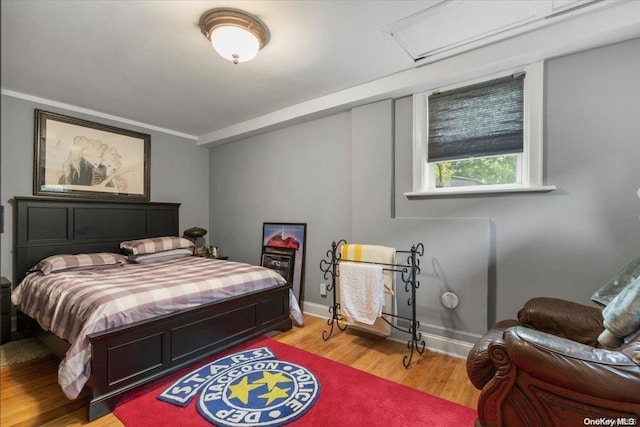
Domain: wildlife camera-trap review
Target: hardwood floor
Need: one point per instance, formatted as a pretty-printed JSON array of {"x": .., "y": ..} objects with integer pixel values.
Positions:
[{"x": 30, "y": 395}]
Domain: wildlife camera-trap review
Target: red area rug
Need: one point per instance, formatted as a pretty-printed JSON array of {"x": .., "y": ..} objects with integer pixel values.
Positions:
[{"x": 348, "y": 397}]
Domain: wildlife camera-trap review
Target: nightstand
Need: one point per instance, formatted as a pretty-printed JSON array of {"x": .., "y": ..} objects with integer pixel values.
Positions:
[{"x": 5, "y": 310}]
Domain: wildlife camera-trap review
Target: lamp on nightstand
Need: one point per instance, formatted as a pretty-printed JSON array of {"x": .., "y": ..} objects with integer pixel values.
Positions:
[{"x": 193, "y": 234}]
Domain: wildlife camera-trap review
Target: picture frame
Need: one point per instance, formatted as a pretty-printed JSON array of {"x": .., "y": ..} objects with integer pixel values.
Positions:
[
  {"x": 281, "y": 260},
  {"x": 79, "y": 158},
  {"x": 292, "y": 236}
]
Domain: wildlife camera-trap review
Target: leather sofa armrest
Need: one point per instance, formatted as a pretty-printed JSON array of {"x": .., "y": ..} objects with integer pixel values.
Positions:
[
  {"x": 632, "y": 350},
  {"x": 480, "y": 368},
  {"x": 564, "y": 319},
  {"x": 574, "y": 366}
]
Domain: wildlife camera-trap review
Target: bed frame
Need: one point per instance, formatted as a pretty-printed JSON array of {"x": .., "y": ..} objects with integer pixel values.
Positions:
[{"x": 129, "y": 356}]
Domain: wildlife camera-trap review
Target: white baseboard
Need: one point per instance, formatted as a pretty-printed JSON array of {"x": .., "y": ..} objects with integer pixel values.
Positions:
[
  {"x": 439, "y": 344},
  {"x": 316, "y": 310}
]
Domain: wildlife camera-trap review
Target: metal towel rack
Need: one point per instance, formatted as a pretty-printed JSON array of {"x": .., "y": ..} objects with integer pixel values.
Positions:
[{"x": 408, "y": 271}]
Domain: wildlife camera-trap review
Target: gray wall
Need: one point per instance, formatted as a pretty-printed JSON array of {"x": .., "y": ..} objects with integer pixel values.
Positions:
[
  {"x": 344, "y": 175},
  {"x": 336, "y": 175},
  {"x": 456, "y": 249},
  {"x": 569, "y": 242},
  {"x": 300, "y": 174},
  {"x": 179, "y": 168}
]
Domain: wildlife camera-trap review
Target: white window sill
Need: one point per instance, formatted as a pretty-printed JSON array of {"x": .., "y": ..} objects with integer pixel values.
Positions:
[{"x": 476, "y": 191}]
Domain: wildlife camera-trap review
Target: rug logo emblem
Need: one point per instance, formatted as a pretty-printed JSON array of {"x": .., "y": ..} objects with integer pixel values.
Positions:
[{"x": 249, "y": 388}]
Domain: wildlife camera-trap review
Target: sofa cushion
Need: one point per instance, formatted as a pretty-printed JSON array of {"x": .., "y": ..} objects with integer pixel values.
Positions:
[{"x": 563, "y": 318}]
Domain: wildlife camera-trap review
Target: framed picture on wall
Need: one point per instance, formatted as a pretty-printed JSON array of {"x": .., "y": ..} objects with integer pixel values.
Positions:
[
  {"x": 291, "y": 236},
  {"x": 281, "y": 260},
  {"x": 79, "y": 158}
]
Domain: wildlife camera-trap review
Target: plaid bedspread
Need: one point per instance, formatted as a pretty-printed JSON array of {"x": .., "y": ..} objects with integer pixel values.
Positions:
[{"x": 73, "y": 305}]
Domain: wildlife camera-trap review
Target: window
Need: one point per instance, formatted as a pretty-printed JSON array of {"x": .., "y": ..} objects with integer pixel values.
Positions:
[{"x": 480, "y": 136}]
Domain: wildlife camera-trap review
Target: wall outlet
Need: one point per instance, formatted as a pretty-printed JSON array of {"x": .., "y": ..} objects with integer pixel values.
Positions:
[{"x": 323, "y": 289}]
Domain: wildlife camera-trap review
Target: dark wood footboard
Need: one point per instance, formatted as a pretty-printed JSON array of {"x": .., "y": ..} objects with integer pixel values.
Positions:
[{"x": 128, "y": 357}]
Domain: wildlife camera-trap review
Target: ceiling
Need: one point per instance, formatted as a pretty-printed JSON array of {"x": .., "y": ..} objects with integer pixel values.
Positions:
[{"x": 148, "y": 62}]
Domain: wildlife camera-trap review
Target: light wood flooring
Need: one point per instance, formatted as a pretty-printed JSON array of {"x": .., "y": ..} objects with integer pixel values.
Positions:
[{"x": 30, "y": 395}]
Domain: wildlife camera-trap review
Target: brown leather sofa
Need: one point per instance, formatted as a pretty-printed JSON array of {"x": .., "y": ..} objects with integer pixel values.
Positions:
[{"x": 546, "y": 369}]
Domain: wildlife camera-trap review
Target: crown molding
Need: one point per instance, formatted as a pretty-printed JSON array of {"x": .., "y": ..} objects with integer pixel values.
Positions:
[{"x": 94, "y": 113}]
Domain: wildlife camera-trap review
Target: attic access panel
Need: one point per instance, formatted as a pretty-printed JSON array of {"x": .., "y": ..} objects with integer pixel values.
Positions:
[{"x": 475, "y": 24}]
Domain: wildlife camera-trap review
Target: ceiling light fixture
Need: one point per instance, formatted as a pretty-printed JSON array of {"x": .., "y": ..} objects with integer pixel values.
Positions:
[{"x": 234, "y": 34}]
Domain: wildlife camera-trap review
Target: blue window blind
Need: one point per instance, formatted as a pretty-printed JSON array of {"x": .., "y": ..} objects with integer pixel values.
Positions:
[{"x": 485, "y": 119}]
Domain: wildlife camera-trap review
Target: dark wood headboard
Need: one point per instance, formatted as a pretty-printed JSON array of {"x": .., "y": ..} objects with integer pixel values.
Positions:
[{"x": 47, "y": 226}]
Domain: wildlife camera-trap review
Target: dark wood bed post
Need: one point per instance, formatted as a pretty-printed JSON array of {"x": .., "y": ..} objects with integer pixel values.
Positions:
[{"x": 129, "y": 356}]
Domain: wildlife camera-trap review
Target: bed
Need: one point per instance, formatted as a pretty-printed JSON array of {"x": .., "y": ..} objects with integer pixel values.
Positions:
[{"x": 125, "y": 357}]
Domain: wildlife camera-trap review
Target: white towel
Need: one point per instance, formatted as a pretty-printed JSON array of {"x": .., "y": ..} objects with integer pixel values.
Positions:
[
  {"x": 373, "y": 253},
  {"x": 361, "y": 291},
  {"x": 380, "y": 254}
]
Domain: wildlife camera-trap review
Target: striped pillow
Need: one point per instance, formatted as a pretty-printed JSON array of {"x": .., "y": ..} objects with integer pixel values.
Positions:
[
  {"x": 160, "y": 256},
  {"x": 155, "y": 244},
  {"x": 80, "y": 261}
]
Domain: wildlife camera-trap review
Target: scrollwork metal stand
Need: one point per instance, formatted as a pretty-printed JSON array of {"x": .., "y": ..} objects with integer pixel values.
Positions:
[
  {"x": 331, "y": 268},
  {"x": 411, "y": 284},
  {"x": 409, "y": 273}
]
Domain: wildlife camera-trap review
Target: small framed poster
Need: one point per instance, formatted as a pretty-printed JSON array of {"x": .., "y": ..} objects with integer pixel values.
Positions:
[
  {"x": 292, "y": 236},
  {"x": 281, "y": 260}
]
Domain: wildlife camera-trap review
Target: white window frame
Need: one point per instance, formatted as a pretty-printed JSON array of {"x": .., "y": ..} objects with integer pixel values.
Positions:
[{"x": 530, "y": 162}]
